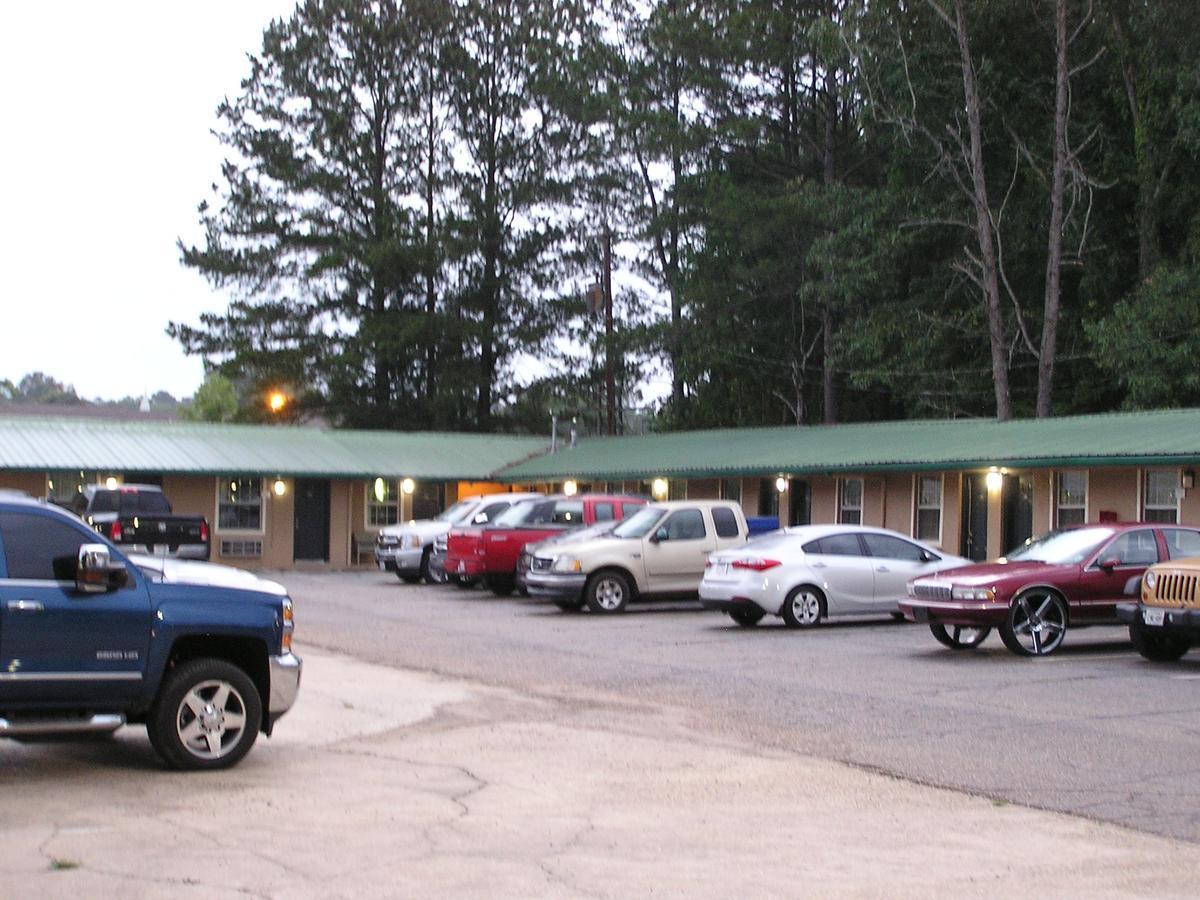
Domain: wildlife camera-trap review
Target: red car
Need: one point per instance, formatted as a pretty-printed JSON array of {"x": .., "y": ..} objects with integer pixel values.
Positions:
[
  {"x": 1067, "y": 578},
  {"x": 491, "y": 551}
]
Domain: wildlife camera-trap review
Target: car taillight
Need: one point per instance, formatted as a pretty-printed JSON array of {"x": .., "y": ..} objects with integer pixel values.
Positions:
[
  {"x": 115, "y": 531},
  {"x": 204, "y": 532},
  {"x": 757, "y": 565}
]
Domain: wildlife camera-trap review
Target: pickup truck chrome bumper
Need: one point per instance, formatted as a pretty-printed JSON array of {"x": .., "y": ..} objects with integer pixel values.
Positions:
[
  {"x": 555, "y": 586},
  {"x": 396, "y": 560},
  {"x": 285, "y": 683}
]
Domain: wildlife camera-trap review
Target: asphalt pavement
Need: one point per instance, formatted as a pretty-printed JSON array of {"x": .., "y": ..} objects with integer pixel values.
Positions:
[{"x": 1093, "y": 731}]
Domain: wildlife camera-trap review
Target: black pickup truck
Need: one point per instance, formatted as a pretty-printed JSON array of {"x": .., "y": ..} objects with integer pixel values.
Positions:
[{"x": 138, "y": 517}]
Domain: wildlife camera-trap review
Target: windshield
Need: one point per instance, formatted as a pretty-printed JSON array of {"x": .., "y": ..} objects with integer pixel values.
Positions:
[
  {"x": 457, "y": 512},
  {"x": 639, "y": 524},
  {"x": 515, "y": 514},
  {"x": 1072, "y": 545}
]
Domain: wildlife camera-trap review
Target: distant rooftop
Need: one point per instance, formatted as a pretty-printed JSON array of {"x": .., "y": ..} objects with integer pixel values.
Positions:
[
  {"x": 85, "y": 411},
  {"x": 60, "y": 443}
]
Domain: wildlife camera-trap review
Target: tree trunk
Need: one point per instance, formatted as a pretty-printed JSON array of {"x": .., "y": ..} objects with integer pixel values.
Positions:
[
  {"x": 433, "y": 336},
  {"x": 1049, "y": 348},
  {"x": 829, "y": 176},
  {"x": 983, "y": 223}
]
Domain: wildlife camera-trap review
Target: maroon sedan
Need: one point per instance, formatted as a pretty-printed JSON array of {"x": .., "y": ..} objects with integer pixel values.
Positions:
[{"x": 1066, "y": 578}]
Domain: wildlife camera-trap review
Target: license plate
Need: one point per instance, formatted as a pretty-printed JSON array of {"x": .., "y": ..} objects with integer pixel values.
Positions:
[
  {"x": 1153, "y": 616},
  {"x": 720, "y": 568}
]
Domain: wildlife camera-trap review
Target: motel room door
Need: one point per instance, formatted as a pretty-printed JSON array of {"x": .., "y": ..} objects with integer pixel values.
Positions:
[
  {"x": 310, "y": 537},
  {"x": 975, "y": 516}
]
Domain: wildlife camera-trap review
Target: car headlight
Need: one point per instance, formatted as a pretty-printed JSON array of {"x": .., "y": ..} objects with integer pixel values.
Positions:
[
  {"x": 1150, "y": 579},
  {"x": 289, "y": 624},
  {"x": 566, "y": 564},
  {"x": 965, "y": 593}
]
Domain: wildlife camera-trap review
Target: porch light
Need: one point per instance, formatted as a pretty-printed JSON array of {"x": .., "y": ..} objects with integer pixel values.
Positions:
[
  {"x": 1187, "y": 480},
  {"x": 279, "y": 487},
  {"x": 380, "y": 489},
  {"x": 781, "y": 484},
  {"x": 994, "y": 480},
  {"x": 570, "y": 488},
  {"x": 659, "y": 488},
  {"x": 110, "y": 483},
  {"x": 407, "y": 486}
]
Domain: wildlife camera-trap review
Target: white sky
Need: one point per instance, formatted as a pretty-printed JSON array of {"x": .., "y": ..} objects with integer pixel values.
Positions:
[{"x": 106, "y": 153}]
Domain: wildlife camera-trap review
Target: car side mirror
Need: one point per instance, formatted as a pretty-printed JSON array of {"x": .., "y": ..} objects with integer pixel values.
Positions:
[
  {"x": 1110, "y": 563},
  {"x": 659, "y": 536},
  {"x": 95, "y": 571},
  {"x": 926, "y": 556}
]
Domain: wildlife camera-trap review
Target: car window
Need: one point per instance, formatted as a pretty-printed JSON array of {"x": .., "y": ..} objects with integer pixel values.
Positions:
[
  {"x": 105, "y": 502},
  {"x": 639, "y": 524},
  {"x": 888, "y": 547},
  {"x": 148, "y": 502},
  {"x": 685, "y": 525},
  {"x": 1133, "y": 548},
  {"x": 489, "y": 512},
  {"x": 567, "y": 512},
  {"x": 40, "y": 548},
  {"x": 1181, "y": 542},
  {"x": 604, "y": 511},
  {"x": 628, "y": 509},
  {"x": 724, "y": 521},
  {"x": 835, "y": 545}
]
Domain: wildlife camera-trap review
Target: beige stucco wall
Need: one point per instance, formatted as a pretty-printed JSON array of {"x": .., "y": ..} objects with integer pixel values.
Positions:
[
  {"x": 898, "y": 502},
  {"x": 1113, "y": 490},
  {"x": 31, "y": 483},
  {"x": 824, "y": 499},
  {"x": 952, "y": 512},
  {"x": 1189, "y": 506}
]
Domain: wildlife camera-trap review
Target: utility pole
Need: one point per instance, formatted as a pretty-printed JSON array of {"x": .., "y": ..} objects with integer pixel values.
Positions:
[{"x": 610, "y": 388}]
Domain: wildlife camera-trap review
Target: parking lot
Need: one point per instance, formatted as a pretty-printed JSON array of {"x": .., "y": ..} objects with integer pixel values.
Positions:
[
  {"x": 1093, "y": 730},
  {"x": 450, "y": 743}
]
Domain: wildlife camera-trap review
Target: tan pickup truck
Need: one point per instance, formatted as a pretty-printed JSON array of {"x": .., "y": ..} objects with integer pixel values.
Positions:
[
  {"x": 659, "y": 551},
  {"x": 1166, "y": 624}
]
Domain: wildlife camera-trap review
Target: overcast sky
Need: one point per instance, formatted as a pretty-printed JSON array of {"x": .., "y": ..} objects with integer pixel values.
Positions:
[{"x": 106, "y": 153}]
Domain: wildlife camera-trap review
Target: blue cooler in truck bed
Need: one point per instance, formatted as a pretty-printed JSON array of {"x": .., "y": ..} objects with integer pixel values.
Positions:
[{"x": 761, "y": 524}]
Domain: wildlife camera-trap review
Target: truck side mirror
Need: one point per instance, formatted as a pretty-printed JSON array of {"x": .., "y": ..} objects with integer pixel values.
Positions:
[
  {"x": 659, "y": 536},
  {"x": 96, "y": 573}
]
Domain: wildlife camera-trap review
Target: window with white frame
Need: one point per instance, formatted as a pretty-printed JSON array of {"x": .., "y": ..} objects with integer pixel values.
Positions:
[
  {"x": 65, "y": 487},
  {"x": 239, "y": 503},
  {"x": 929, "y": 508},
  {"x": 1160, "y": 495},
  {"x": 850, "y": 500},
  {"x": 383, "y": 503},
  {"x": 1070, "y": 507}
]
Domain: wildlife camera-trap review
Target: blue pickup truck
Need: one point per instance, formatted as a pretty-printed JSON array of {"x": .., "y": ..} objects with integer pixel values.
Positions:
[{"x": 92, "y": 638}]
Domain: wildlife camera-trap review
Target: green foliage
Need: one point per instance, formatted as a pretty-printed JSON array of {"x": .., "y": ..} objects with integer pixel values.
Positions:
[
  {"x": 1151, "y": 340},
  {"x": 216, "y": 400}
]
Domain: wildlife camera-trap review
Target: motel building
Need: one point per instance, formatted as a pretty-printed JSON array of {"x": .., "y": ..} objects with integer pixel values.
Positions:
[{"x": 279, "y": 497}]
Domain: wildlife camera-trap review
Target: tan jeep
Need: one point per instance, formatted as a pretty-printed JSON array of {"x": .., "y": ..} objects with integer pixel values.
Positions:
[{"x": 1166, "y": 624}]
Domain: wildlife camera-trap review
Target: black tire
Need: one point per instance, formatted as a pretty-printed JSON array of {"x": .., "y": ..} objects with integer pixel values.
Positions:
[
  {"x": 423, "y": 569},
  {"x": 464, "y": 583},
  {"x": 607, "y": 592},
  {"x": 959, "y": 637},
  {"x": 1157, "y": 646},
  {"x": 500, "y": 585},
  {"x": 189, "y": 724},
  {"x": 804, "y": 607},
  {"x": 408, "y": 577},
  {"x": 1036, "y": 623},
  {"x": 747, "y": 618},
  {"x": 573, "y": 605}
]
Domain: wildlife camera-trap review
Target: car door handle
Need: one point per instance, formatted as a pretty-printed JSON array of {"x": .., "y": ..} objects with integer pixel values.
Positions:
[
  {"x": 819, "y": 566},
  {"x": 25, "y": 606}
]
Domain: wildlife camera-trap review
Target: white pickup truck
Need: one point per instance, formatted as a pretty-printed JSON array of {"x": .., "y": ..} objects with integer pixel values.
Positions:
[
  {"x": 405, "y": 548},
  {"x": 660, "y": 551}
]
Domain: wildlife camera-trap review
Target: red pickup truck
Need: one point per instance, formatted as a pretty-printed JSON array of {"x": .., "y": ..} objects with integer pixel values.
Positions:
[{"x": 491, "y": 551}]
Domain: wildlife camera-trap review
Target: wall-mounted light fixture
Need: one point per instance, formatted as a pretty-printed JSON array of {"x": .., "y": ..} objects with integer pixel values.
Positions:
[
  {"x": 570, "y": 488},
  {"x": 279, "y": 487},
  {"x": 781, "y": 484},
  {"x": 994, "y": 480},
  {"x": 659, "y": 488},
  {"x": 407, "y": 486},
  {"x": 1187, "y": 479},
  {"x": 379, "y": 489}
]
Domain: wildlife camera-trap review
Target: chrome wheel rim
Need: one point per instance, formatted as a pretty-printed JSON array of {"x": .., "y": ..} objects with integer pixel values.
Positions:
[
  {"x": 806, "y": 608},
  {"x": 966, "y": 635},
  {"x": 1039, "y": 623},
  {"x": 610, "y": 594},
  {"x": 210, "y": 719}
]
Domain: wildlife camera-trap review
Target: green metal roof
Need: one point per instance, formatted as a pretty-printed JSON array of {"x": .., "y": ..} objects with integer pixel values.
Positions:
[
  {"x": 49, "y": 444},
  {"x": 1142, "y": 438}
]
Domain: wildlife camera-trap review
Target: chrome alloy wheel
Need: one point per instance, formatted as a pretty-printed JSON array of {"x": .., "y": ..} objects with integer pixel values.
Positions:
[
  {"x": 210, "y": 719},
  {"x": 609, "y": 593},
  {"x": 802, "y": 608},
  {"x": 1037, "y": 623}
]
